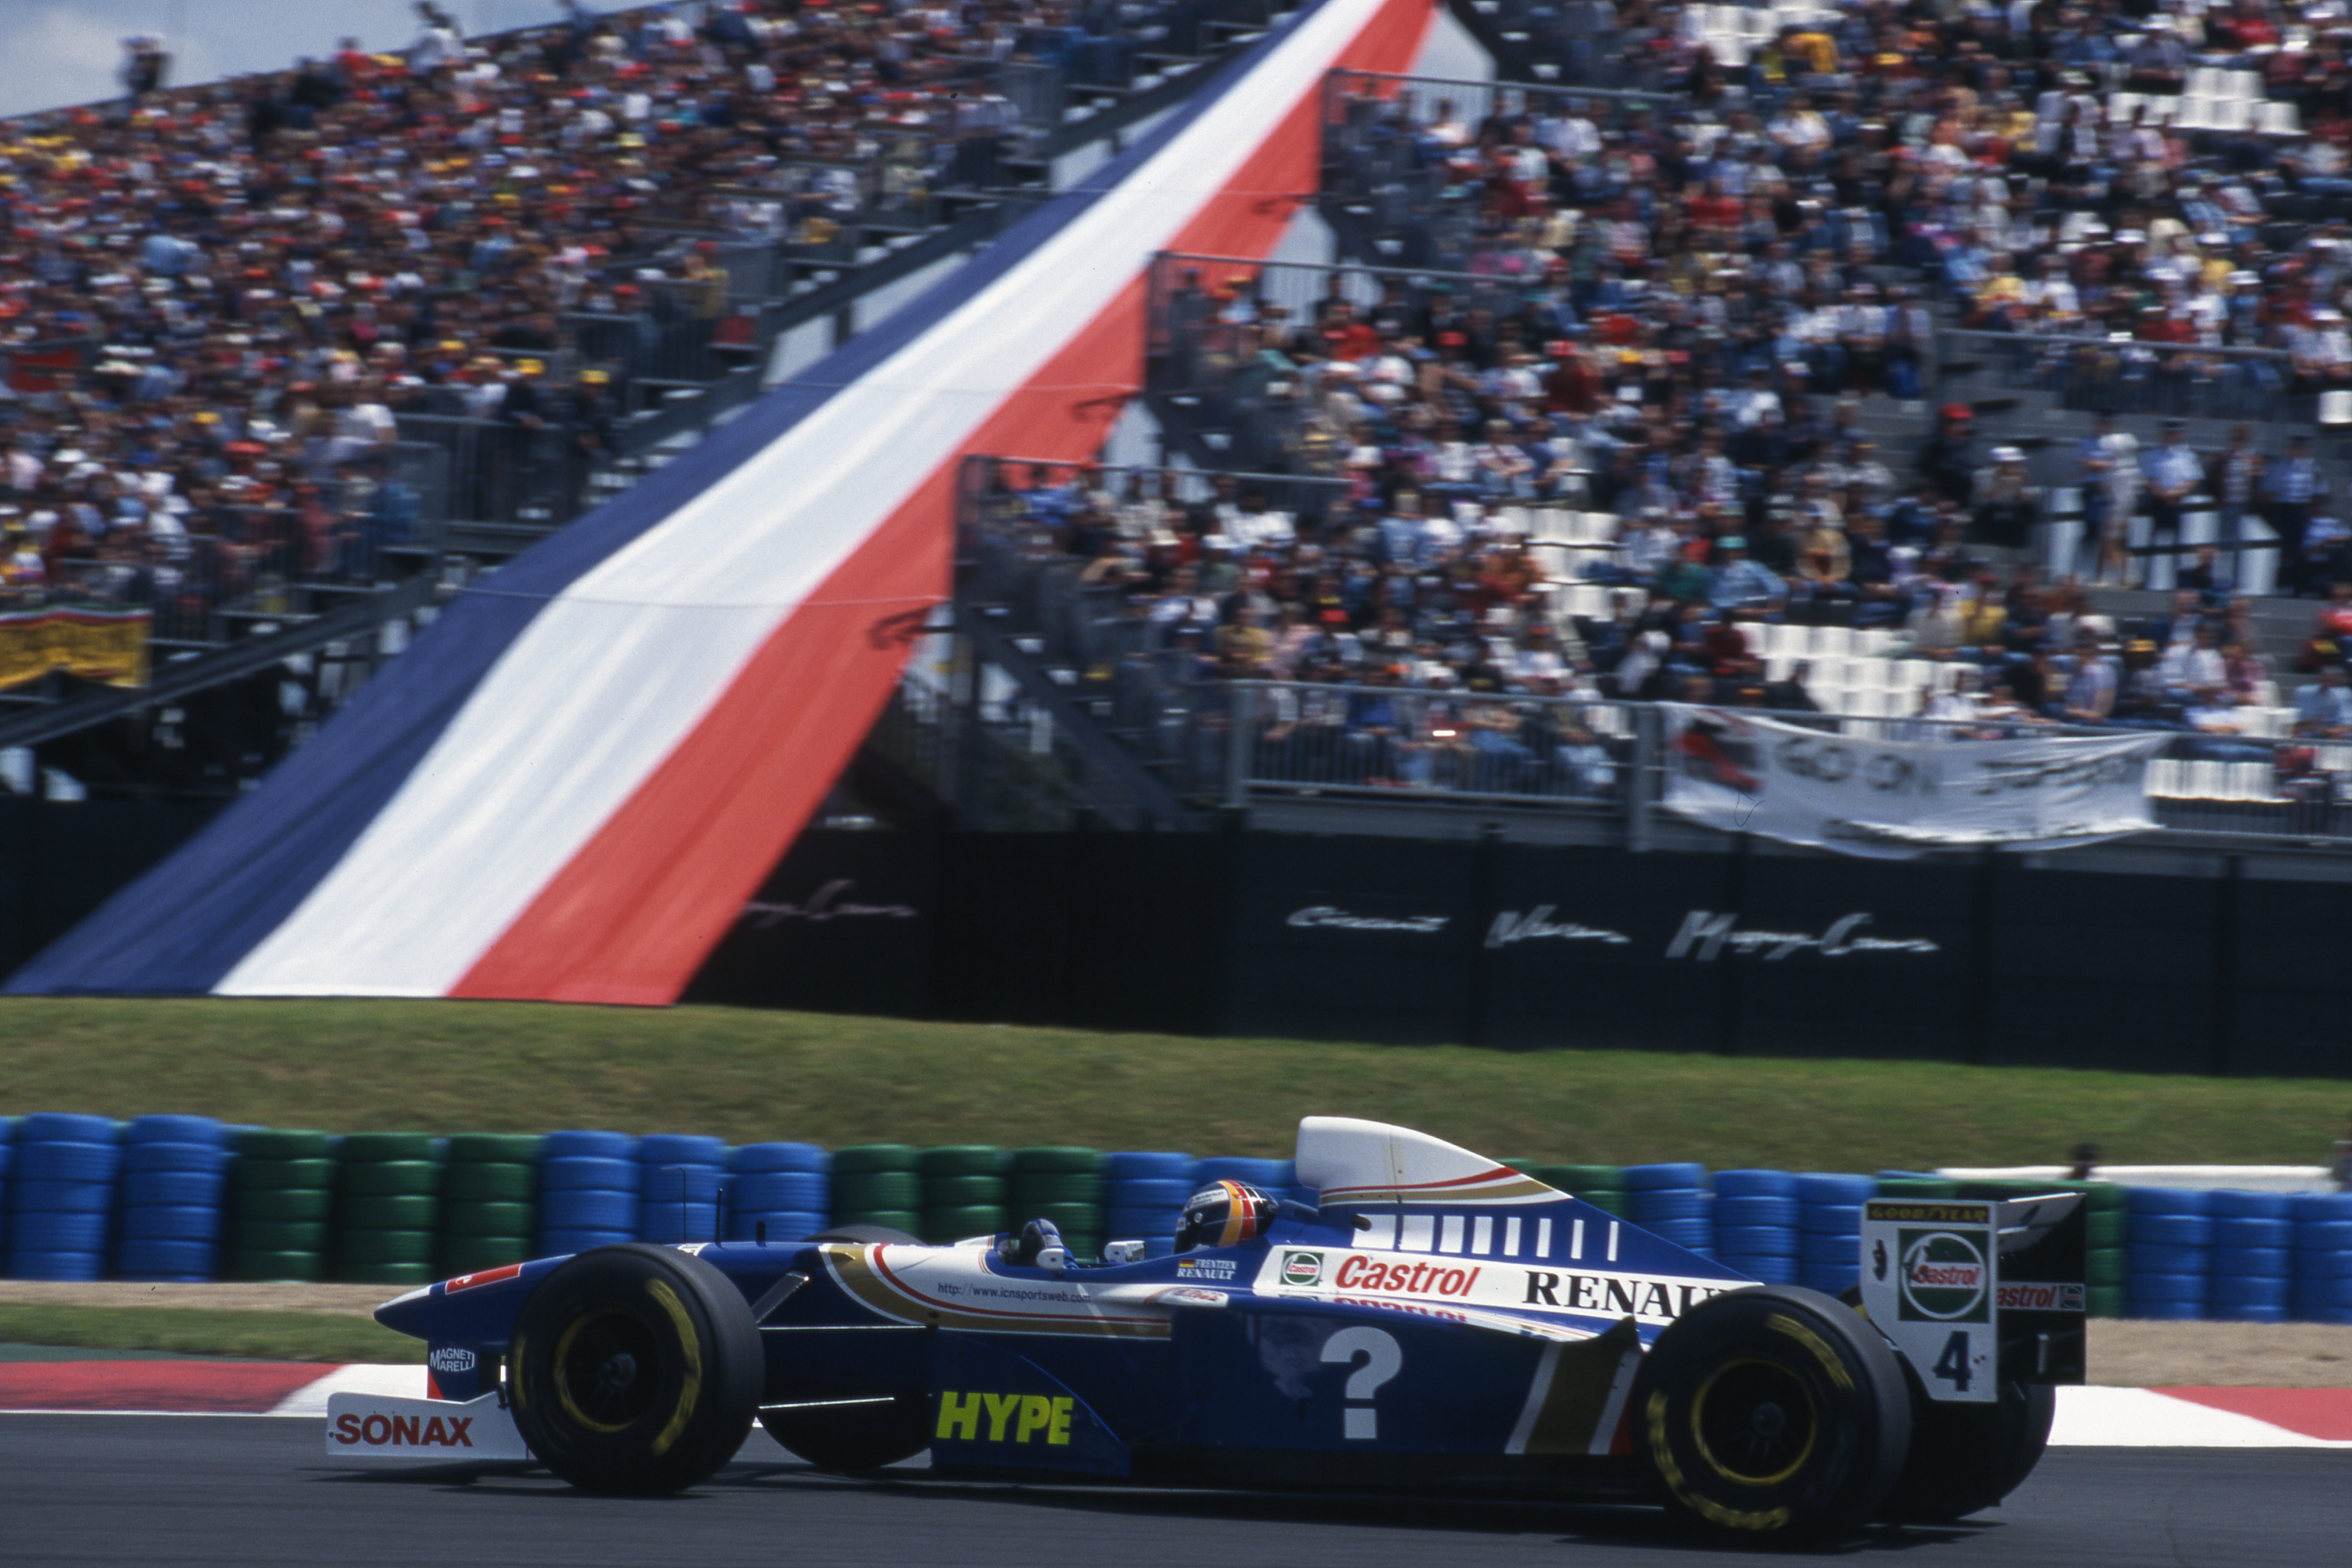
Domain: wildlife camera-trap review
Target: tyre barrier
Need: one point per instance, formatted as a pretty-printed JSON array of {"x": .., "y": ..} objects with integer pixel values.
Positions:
[
  {"x": 1064, "y": 1186},
  {"x": 186, "y": 1198},
  {"x": 2168, "y": 1251},
  {"x": 281, "y": 1205},
  {"x": 1602, "y": 1186},
  {"x": 878, "y": 1183},
  {"x": 680, "y": 1178},
  {"x": 1755, "y": 1224},
  {"x": 1829, "y": 1229},
  {"x": 2250, "y": 1275},
  {"x": 1143, "y": 1195},
  {"x": 963, "y": 1190},
  {"x": 169, "y": 1198},
  {"x": 489, "y": 1185},
  {"x": 387, "y": 1207},
  {"x": 62, "y": 1172},
  {"x": 2322, "y": 1257},
  {"x": 1672, "y": 1200},
  {"x": 778, "y": 1191},
  {"x": 587, "y": 1192}
]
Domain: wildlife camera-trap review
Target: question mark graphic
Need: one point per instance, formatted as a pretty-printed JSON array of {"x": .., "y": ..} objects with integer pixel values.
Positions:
[{"x": 1383, "y": 1361}]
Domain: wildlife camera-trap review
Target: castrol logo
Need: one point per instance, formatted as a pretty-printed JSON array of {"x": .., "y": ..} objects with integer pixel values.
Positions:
[{"x": 1944, "y": 1276}]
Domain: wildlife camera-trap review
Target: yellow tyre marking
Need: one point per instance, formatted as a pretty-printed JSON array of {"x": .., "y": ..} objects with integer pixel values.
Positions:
[
  {"x": 1707, "y": 1508},
  {"x": 692, "y": 1389},
  {"x": 1812, "y": 1341}
]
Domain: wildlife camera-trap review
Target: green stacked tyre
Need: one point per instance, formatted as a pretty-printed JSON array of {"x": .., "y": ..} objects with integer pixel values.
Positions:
[
  {"x": 387, "y": 1208},
  {"x": 487, "y": 1216},
  {"x": 1602, "y": 1186},
  {"x": 282, "y": 1198},
  {"x": 1061, "y": 1184},
  {"x": 2104, "y": 1261},
  {"x": 878, "y": 1183},
  {"x": 1917, "y": 1187},
  {"x": 963, "y": 1191}
]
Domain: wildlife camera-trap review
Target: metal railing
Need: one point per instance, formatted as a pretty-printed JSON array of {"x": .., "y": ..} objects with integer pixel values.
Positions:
[
  {"x": 1391, "y": 741},
  {"x": 332, "y": 544},
  {"x": 2126, "y": 375}
]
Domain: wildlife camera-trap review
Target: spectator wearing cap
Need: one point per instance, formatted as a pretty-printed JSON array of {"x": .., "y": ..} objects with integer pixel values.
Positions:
[
  {"x": 1948, "y": 459},
  {"x": 2008, "y": 505}
]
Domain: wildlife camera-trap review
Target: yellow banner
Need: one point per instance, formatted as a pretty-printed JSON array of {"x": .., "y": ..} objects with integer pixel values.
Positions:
[{"x": 105, "y": 646}]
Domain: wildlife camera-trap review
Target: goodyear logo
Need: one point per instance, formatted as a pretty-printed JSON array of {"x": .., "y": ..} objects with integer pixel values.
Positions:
[
  {"x": 1945, "y": 1277},
  {"x": 1302, "y": 1268},
  {"x": 1005, "y": 1418}
]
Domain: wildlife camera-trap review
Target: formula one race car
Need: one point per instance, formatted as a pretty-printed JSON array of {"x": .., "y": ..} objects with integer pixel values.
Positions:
[{"x": 1439, "y": 1322}]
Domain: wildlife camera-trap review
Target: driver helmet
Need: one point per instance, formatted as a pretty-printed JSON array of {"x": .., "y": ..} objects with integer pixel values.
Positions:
[{"x": 1223, "y": 1213}]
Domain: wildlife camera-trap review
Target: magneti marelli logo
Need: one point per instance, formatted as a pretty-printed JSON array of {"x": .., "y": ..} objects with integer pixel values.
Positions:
[
  {"x": 1944, "y": 1276},
  {"x": 1302, "y": 1268}
]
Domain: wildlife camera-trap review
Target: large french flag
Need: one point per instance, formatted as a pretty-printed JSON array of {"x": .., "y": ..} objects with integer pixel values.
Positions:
[{"x": 567, "y": 789}]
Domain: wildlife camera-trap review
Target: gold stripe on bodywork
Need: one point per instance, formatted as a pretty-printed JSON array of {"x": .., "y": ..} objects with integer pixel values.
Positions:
[{"x": 1584, "y": 1397}]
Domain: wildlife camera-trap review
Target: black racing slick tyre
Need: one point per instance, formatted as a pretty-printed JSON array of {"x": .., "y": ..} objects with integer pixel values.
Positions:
[
  {"x": 1771, "y": 1416},
  {"x": 1964, "y": 1457},
  {"x": 636, "y": 1369}
]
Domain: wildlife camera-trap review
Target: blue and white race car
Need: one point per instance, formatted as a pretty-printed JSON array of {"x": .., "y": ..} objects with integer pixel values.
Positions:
[{"x": 1438, "y": 1321}]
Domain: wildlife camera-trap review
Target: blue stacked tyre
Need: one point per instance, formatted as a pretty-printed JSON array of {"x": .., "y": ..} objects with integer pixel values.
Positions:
[
  {"x": 587, "y": 1191},
  {"x": 2168, "y": 1252},
  {"x": 2251, "y": 1273},
  {"x": 680, "y": 1177},
  {"x": 170, "y": 1199},
  {"x": 1143, "y": 1196},
  {"x": 1671, "y": 1201},
  {"x": 781, "y": 1191},
  {"x": 1756, "y": 1215},
  {"x": 1829, "y": 1229},
  {"x": 60, "y": 1185},
  {"x": 2321, "y": 1261}
]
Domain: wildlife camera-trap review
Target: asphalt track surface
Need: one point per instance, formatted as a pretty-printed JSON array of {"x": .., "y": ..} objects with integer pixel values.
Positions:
[{"x": 200, "y": 1489}]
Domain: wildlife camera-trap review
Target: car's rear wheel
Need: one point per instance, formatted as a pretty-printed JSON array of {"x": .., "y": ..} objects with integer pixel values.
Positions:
[
  {"x": 635, "y": 1369},
  {"x": 1772, "y": 1415},
  {"x": 1964, "y": 1457}
]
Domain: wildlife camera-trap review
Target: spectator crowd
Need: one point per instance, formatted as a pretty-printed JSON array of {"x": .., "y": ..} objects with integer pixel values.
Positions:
[{"x": 220, "y": 304}]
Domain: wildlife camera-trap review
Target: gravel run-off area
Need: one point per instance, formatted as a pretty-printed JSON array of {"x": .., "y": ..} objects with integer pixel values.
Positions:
[{"x": 2123, "y": 1354}]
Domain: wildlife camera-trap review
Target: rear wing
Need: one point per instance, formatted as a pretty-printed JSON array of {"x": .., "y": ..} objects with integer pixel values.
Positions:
[{"x": 1978, "y": 1292}]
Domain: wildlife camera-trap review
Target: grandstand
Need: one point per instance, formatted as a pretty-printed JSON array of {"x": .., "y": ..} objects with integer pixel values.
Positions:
[{"x": 1822, "y": 366}]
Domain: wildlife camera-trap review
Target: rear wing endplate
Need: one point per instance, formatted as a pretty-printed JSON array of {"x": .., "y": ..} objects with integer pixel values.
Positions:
[{"x": 1977, "y": 1291}]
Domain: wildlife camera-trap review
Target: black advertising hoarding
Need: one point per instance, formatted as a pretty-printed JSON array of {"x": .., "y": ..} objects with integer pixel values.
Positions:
[
  {"x": 844, "y": 924},
  {"x": 1359, "y": 938},
  {"x": 2102, "y": 971},
  {"x": 1576, "y": 942},
  {"x": 1396, "y": 941}
]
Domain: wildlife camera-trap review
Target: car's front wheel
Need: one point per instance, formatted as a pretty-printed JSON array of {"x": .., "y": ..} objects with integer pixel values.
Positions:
[
  {"x": 635, "y": 1369},
  {"x": 1772, "y": 1415}
]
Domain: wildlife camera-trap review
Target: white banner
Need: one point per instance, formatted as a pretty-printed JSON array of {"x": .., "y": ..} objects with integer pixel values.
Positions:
[{"x": 1738, "y": 770}]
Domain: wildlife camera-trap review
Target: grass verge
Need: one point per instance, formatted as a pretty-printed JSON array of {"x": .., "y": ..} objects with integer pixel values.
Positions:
[
  {"x": 248, "y": 1335},
  {"x": 349, "y": 1065}
]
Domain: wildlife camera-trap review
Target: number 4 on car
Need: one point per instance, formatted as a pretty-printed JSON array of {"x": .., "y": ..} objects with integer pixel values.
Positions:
[{"x": 1435, "y": 1321}]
